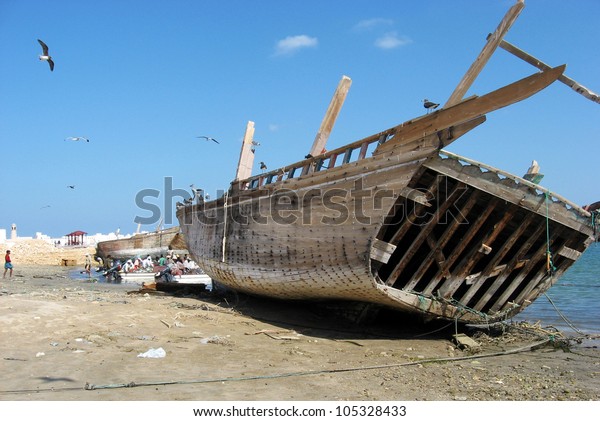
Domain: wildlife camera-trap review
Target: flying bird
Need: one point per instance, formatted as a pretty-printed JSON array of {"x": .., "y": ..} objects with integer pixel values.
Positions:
[
  {"x": 429, "y": 105},
  {"x": 45, "y": 56},
  {"x": 77, "y": 138},
  {"x": 263, "y": 166},
  {"x": 43, "y": 207},
  {"x": 208, "y": 138},
  {"x": 71, "y": 187}
]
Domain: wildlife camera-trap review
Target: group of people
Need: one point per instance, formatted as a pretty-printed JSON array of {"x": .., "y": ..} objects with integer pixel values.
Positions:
[{"x": 171, "y": 263}]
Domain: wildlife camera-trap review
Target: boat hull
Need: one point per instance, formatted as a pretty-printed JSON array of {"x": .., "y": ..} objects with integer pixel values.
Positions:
[
  {"x": 389, "y": 221},
  {"x": 432, "y": 236},
  {"x": 152, "y": 243},
  {"x": 141, "y": 278}
]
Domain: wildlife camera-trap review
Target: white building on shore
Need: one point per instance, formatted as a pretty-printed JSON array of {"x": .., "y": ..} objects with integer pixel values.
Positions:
[{"x": 63, "y": 241}]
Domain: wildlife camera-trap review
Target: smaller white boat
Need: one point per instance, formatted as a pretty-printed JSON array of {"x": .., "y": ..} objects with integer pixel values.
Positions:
[{"x": 141, "y": 278}]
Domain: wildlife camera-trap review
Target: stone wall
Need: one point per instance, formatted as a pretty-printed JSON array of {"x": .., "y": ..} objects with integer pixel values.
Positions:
[{"x": 40, "y": 252}]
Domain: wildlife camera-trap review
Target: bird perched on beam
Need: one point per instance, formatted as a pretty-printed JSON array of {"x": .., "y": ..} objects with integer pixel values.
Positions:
[
  {"x": 429, "y": 105},
  {"x": 208, "y": 138},
  {"x": 197, "y": 194},
  {"x": 45, "y": 56}
]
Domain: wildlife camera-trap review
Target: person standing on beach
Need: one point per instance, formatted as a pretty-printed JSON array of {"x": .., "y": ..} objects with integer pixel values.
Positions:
[
  {"x": 7, "y": 265},
  {"x": 88, "y": 264}
]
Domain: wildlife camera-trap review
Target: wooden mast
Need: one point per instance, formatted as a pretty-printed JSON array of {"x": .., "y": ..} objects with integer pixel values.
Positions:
[
  {"x": 580, "y": 89},
  {"x": 486, "y": 53},
  {"x": 330, "y": 116},
  {"x": 244, "y": 169}
]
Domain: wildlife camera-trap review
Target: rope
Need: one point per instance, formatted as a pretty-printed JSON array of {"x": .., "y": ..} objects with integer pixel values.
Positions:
[
  {"x": 530, "y": 347},
  {"x": 567, "y": 321},
  {"x": 549, "y": 264},
  {"x": 224, "y": 227}
]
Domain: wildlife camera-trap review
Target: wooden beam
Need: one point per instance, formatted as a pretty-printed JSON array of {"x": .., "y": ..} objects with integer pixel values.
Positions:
[
  {"x": 330, "y": 116},
  {"x": 485, "y": 54},
  {"x": 381, "y": 251},
  {"x": 535, "y": 257},
  {"x": 580, "y": 89},
  {"x": 471, "y": 108},
  {"x": 244, "y": 169},
  {"x": 453, "y": 282},
  {"x": 425, "y": 231}
]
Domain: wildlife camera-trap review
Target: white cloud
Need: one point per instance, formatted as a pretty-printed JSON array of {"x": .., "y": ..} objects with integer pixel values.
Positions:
[
  {"x": 372, "y": 23},
  {"x": 391, "y": 40},
  {"x": 291, "y": 44}
]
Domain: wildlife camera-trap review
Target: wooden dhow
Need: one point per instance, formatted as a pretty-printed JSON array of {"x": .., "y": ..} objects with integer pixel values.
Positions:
[
  {"x": 394, "y": 220},
  {"x": 153, "y": 243}
]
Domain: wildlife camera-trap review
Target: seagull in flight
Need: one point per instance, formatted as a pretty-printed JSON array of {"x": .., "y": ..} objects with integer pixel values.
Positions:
[
  {"x": 45, "y": 56},
  {"x": 71, "y": 187},
  {"x": 77, "y": 138},
  {"x": 208, "y": 138},
  {"x": 43, "y": 207},
  {"x": 263, "y": 166},
  {"x": 429, "y": 105}
]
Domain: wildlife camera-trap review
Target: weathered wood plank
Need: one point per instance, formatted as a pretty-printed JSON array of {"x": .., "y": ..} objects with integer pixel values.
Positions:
[
  {"x": 537, "y": 256},
  {"x": 333, "y": 110},
  {"x": 500, "y": 254},
  {"x": 580, "y": 89},
  {"x": 381, "y": 251},
  {"x": 244, "y": 169},
  {"x": 452, "y": 283},
  {"x": 436, "y": 250},
  {"x": 536, "y": 203},
  {"x": 489, "y": 48},
  {"x": 472, "y": 108},
  {"x": 569, "y": 253}
]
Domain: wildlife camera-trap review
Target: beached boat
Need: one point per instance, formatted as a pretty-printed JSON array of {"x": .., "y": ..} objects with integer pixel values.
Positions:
[
  {"x": 143, "y": 244},
  {"x": 197, "y": 277},
  {"x": 393, "y": 220}
]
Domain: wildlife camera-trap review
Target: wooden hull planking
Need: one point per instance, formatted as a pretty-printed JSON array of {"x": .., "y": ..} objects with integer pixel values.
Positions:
[
  {"x": 152, "y": 243},
  {"x": 473, "y": 250}
]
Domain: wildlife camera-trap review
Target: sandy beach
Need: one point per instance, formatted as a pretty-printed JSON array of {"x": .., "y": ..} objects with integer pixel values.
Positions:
[{"x": 67, "y": 340}]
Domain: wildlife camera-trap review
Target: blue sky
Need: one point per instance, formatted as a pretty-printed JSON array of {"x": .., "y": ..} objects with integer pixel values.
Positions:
[{"x": 142, "y": 79}]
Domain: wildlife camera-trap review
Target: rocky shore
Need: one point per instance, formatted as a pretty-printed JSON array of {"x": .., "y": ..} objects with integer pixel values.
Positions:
[{"x": 77, "y": 340}]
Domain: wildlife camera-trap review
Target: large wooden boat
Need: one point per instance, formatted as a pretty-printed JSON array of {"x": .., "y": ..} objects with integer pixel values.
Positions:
[
  {"x": 150, "y": 243},
  {"x": 394, "y": 220}
]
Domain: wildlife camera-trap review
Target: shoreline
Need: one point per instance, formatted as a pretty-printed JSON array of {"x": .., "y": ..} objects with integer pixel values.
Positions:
[{"x": 66, "y": 334}]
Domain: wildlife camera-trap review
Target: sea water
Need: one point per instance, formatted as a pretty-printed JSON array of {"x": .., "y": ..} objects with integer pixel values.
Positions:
[{"x": 572, "y": 305}]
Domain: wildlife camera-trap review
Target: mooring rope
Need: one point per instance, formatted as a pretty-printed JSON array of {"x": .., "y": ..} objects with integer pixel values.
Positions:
[
  {"x": 526, "y": 348},
  {"x": 567, "y": 321},
  {"x": 549, "y": 264}
]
